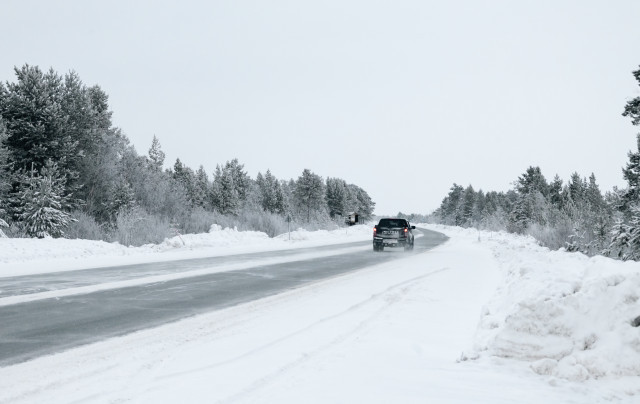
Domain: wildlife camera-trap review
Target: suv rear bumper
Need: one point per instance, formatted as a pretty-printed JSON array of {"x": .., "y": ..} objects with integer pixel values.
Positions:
[{"x": 391, "y": 242}]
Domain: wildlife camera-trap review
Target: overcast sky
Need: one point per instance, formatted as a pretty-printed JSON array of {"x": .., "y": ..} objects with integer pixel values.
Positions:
[{"x": 402, "y": 98}]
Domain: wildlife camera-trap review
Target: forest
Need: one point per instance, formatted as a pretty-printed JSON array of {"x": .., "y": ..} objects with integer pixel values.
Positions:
[
  {"x": 67, "y": 171},
  {"x": 574, "y": 215}
]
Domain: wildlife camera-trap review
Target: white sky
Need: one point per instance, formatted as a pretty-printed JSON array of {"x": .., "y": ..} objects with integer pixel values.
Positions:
[{"x": 401, "y": 97}]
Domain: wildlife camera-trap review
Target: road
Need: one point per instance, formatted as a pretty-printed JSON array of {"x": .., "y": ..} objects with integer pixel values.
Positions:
[{"x": 45, "y": 326}]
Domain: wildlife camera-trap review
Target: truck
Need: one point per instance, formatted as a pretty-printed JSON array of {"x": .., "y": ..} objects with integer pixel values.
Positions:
[{"x": 393, "y": 232}]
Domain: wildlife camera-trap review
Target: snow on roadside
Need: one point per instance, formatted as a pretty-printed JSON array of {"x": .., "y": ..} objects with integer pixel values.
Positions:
[
  {"x": 24, "y": 256},
  {"x": 539, "y": 326},
  {"x": 388, "y": 333},
  {"x": 566, "y": 315}
]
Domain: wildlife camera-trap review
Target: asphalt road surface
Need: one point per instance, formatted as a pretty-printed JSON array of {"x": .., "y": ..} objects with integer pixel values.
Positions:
[{"x": 46, "y": 326}]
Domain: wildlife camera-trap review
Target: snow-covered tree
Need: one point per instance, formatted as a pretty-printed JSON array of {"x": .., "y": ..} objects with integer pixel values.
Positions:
[
  {"x": 271, "y": 195},
  {"x": 631, "y": 174},
  {"x": 156, "y": 155},
  {"x": 468, "y": 202},
  {"x": 42, "y": 203},
  {"x": 555, "y": 192},
  {"x": 336, "y": 196},
  {"x": 625, "y": 237},
  {"x": 122, "y": 198},
  {"x": 38, "y": 126},
  {"x": 531, "y": 181},
  {"x": 5, "y": 174},
  {"x": 201, "y": 188},
  {"x": 309, "y": 192},
  {"x": 632, "y": 109}
]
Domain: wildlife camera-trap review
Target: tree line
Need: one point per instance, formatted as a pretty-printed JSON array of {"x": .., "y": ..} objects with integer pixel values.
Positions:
[
  {"x": 66, "y": 171},
  {"x": 574, "y": 214}
]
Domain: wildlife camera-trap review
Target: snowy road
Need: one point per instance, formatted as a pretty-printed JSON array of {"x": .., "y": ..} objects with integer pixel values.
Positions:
[
  {"x": 482, "y": 318},
  {"x": 48, "y": 313}
]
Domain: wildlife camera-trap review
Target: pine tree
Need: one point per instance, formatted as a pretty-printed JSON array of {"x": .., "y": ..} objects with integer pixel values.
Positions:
[
  {"x": 281, "y": 205},
  {"x": 266, "y": 185},
  {"x": 241, "y": 180},
  {"x": 5, "y": 183},
  {"x": 631, "y": 174},
  {"x": 479, "y": 207},
  {"x": 156, "y": 155},
  {"x": 309, "y": 192},
  {"x": 632, "y": 109},
  {"x": 336, "y": 196},
  {"x": 577, "y": 188},
  {"x": 365, "y": 205},
  {"x": 4, "y": 177},
  {"x": 122, "y": 198},
  {"x": 449, "y": 210},
  {"x": 186, "y": 178},
  {"x": 42, "y": 204},
  {"x": 531, "y": 181},
  {"x": 229, "y": 199},
  {"x": 519, "y": 216},
  {"x": 38, "y": 126},
  {"x": 625, "y": 237},
  {"x": 468, "y": 201},
  {"x": 555, "y": 192},
  {"x": 201, "y": 188}
]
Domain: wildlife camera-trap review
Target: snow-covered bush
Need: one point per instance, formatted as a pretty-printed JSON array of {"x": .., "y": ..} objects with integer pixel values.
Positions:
[
  {"x": 136, "y": 227},
  {"x": 85, "y": 227}
]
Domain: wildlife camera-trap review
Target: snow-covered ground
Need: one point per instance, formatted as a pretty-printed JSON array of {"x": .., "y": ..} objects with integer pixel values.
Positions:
[
  {"x": 23, "y": 256},
  {"x": 486, "y": 317}
]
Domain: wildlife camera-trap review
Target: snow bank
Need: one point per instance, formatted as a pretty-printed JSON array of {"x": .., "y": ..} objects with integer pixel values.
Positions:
[
  {"x": 22, "y": 256},
  {"x": 216, "y": 237},
  {"x": 354, "y": 233},
  {"x": 567, "y": 315}
]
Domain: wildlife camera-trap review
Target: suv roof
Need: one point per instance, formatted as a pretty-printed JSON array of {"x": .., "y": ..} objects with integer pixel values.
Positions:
[{"x": 393, "y": 222}]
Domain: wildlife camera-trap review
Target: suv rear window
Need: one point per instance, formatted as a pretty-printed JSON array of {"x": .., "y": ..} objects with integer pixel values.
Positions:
[{"x": 392, "y": 223}]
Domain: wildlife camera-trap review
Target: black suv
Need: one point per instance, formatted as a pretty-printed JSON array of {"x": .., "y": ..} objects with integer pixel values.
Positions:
[{"x": 393, "y": 233}]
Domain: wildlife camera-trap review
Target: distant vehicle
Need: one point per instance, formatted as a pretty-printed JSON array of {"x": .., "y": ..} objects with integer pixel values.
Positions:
[
  {"x": 390, "y": 232},
  {"x": 351, "y": 219}
]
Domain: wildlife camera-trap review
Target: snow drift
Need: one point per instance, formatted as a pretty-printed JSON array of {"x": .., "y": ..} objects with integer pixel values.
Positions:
[{"x": 566, "y": 314}]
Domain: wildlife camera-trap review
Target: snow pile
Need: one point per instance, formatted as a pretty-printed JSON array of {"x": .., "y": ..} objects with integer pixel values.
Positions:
[
  {"x": 14, "y": 250},
  {"x": 216, "y": 237},
  {"x": 353, "y": 233},
  {"x": 568, "y": 315}
]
